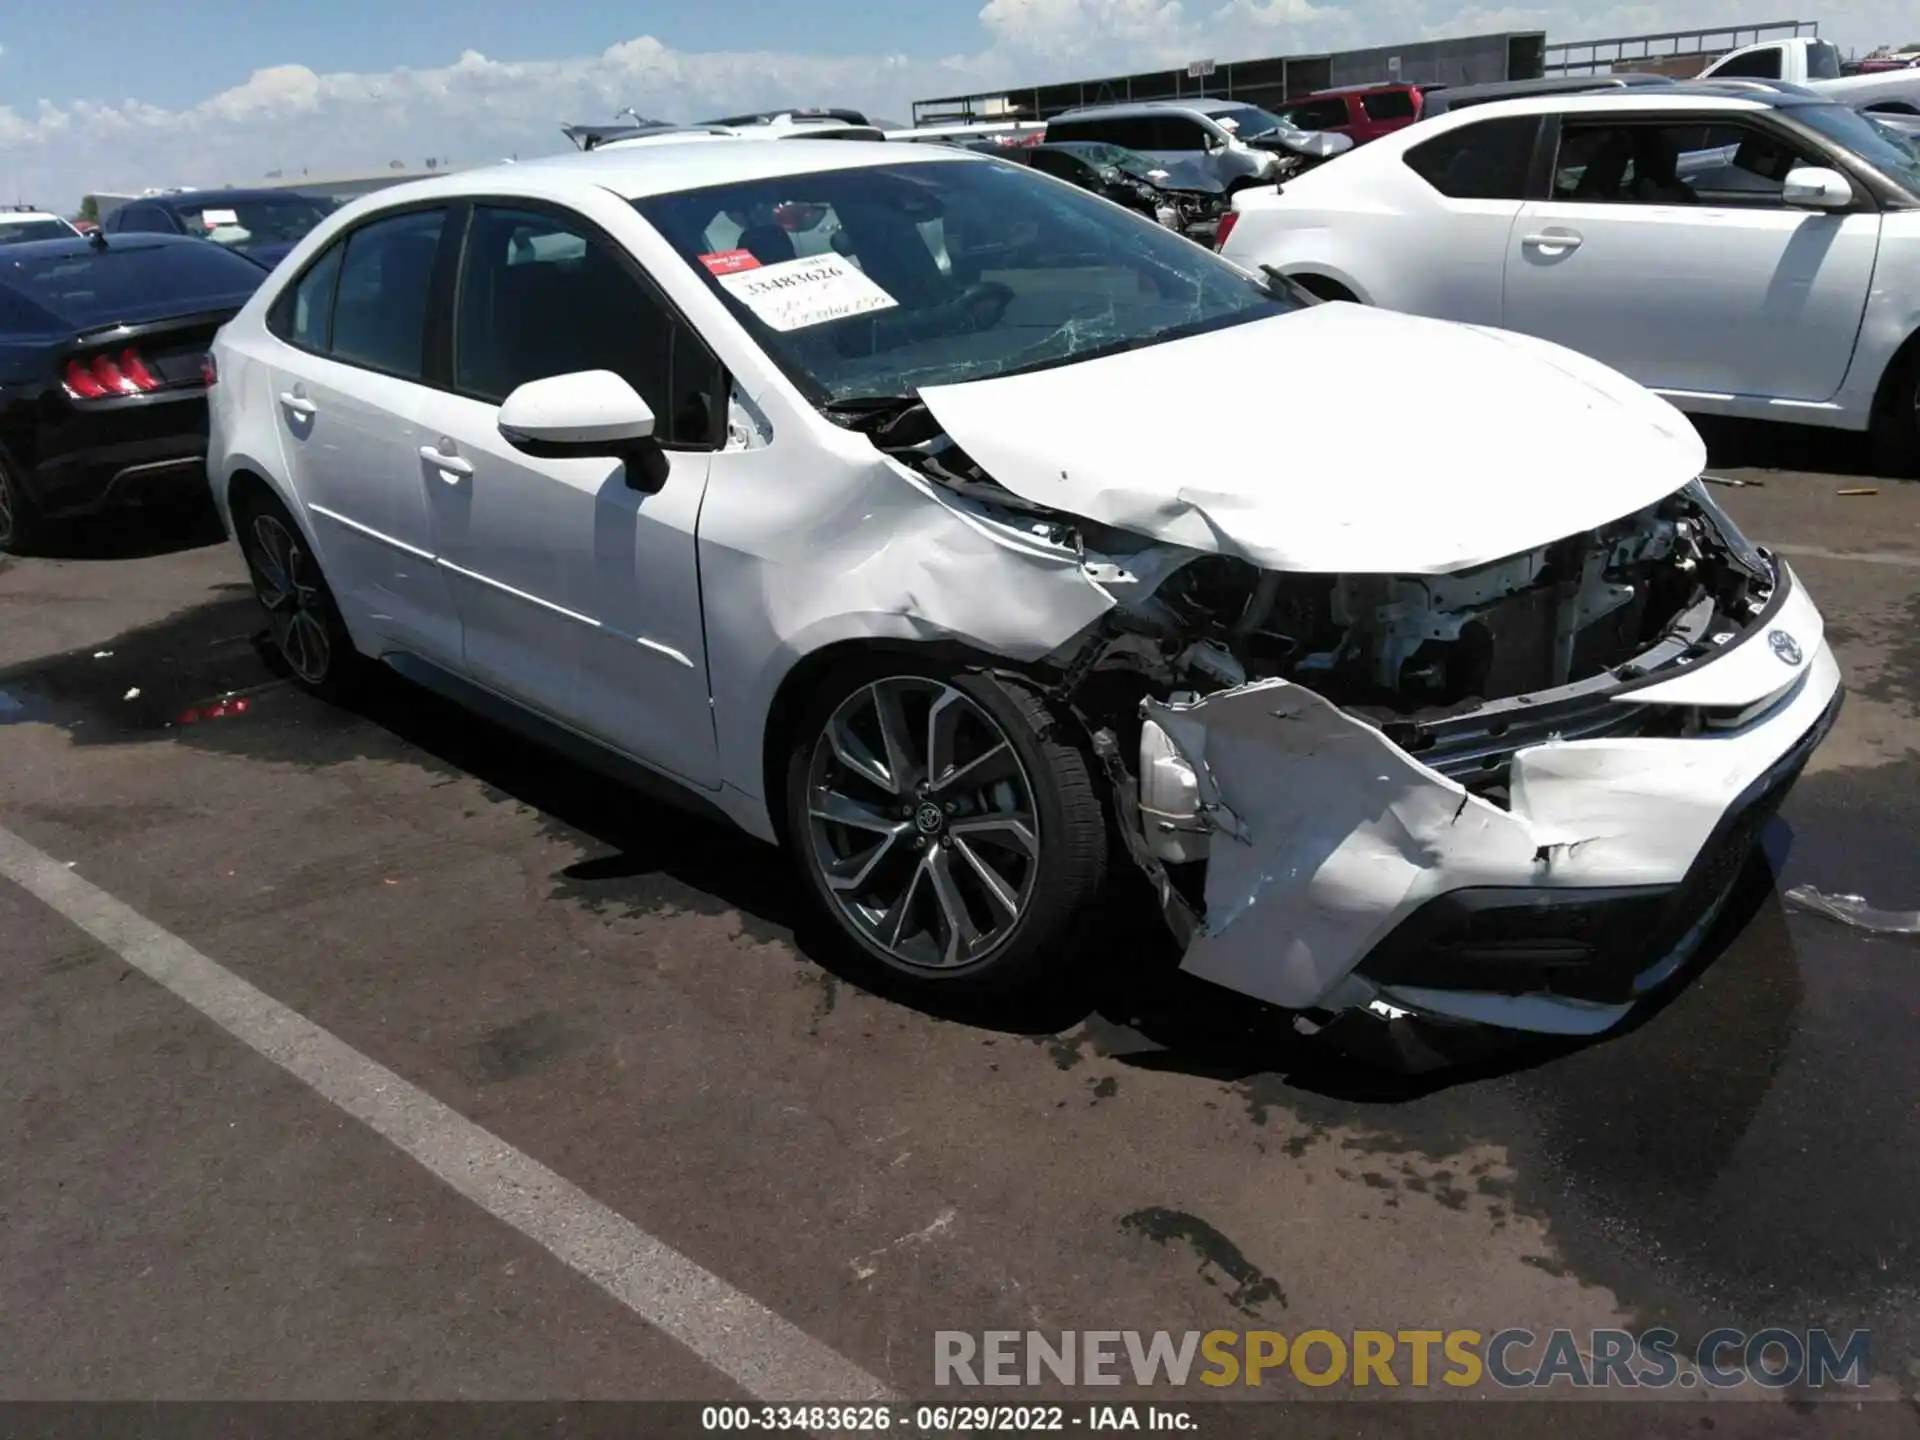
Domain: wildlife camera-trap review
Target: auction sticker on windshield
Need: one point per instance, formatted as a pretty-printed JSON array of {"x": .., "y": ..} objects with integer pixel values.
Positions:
[
  {"x": 214, "y": 219},
  {"x": 795, "y": 294}
]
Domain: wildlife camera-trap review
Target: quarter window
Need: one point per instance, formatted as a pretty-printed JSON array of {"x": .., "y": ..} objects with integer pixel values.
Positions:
[
  {"x": 302, "y": 317},
  {"x": 539, "y": 297},
  {"x": 1487, "y": 160}
]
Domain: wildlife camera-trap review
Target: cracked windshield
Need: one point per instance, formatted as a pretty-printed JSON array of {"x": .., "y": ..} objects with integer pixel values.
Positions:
[{"x": 874, "y": 282}]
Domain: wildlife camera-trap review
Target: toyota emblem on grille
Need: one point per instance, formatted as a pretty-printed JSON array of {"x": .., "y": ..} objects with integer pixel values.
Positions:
[{"x": 1785, "y": 646}]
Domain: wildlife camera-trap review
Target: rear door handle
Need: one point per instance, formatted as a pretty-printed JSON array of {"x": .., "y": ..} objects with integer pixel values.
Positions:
[
  {"x": 1565, "y": 241},
  {"x": 453, "y": 469},
  {"x": 299, "y": 405}
]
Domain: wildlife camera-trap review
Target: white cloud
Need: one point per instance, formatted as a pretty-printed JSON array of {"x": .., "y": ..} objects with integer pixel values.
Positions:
[{"x": 291, "y": 118}]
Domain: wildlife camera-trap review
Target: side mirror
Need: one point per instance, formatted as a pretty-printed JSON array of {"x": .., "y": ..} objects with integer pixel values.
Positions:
[
  {"x": 588, "y": 414},
  {"x": 1814, "y": 187}
]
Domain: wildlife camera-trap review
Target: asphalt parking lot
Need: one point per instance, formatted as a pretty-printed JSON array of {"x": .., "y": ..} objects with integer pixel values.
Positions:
[{"x": 621, "y": 996}]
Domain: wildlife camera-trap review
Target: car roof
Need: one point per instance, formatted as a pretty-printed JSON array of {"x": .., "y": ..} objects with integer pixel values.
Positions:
[
  {"x": 1673, "y": 97},
  {"x": 87, "y": 245},
  {"x": 1460, "y": 95},
  {"x": 14, "y": 216},
  {"x": 1200, "y": 105},
  {"x": 637, "y": 171},
  {"x": 204, "y": 198},
  {"x": 1366, "y": 87}
]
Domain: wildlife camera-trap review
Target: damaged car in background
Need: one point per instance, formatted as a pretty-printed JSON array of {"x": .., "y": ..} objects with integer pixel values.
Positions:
[
  {"x": 1181, "y": 196},
  {"x": 920, "y": 574}
]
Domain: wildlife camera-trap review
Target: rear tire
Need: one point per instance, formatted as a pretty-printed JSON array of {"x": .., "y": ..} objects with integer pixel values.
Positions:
[
  {"x": 1896, "y": 419},
  {"x": 20, "y": 523},
  {"x": 1322, "y": 288},
  {"x": 309, "y": 636},
  {"x": 945, "y": 826}
]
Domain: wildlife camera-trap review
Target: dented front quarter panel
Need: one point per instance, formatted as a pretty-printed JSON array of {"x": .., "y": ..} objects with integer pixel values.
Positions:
[
  {"x": 807, "y": 545},
  {"x": 1342, "y": 835}
]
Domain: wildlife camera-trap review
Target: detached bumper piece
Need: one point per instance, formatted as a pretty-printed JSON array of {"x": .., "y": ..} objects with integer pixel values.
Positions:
[{"x": 1603, "y": 946}]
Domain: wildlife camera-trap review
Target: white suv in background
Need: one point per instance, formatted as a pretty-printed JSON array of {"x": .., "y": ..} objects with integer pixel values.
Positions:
[
  {"x": 870, "y": 553},
  {"x": 1751, "y": 254}
]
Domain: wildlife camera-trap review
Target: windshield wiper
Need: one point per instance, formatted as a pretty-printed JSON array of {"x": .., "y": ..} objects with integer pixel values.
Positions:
[{"x": 1285, "y": 287}]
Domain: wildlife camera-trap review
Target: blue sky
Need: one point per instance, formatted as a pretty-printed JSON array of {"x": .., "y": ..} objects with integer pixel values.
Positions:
[
  {"x": 122, "y": 94},
  {"x": 173, "y": 54}
]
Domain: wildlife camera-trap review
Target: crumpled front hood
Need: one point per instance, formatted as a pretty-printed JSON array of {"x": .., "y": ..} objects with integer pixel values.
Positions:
[{"x": 1337, "y": 439}]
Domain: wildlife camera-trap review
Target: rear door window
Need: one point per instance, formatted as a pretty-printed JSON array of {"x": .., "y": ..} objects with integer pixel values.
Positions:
[
  {"x": 1487, "y": 160},
  {"x": 1761, "y": 65},
  {"x": 1388, "y": 105},
  {"x": 380, "y": 308},
  {"x": 1326, "y": 114},
  {"x": 1176, "y": 132}
]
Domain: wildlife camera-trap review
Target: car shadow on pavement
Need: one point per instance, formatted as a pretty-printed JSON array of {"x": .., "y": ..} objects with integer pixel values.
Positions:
[
  {"x": 133, "y": 533},
  {"x": 205, "y": 678},
  {"x": 1757, "y": 445}
]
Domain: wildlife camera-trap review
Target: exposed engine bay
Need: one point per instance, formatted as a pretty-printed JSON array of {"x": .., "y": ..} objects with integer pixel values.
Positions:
[{"x": 1458, "y": 669}]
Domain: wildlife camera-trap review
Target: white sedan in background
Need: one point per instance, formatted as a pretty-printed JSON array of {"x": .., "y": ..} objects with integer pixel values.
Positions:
[
  {"x": 1750, "y": 254},
  {"x": 900, "y": 555}
]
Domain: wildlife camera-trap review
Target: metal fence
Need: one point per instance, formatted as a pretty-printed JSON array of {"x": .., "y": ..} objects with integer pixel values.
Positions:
[
  {"x": 1271, "y": 81},
  {"x": 1687, "y": 50}
]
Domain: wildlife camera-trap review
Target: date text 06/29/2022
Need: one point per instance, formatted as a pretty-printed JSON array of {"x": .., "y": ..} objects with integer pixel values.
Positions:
[{"x": 943, "y": 1419}]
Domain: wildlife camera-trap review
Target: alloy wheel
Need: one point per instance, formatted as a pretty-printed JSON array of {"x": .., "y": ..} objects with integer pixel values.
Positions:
[
  {"x": 922, "y": 822},
  {"x": 287, "y": 583}
]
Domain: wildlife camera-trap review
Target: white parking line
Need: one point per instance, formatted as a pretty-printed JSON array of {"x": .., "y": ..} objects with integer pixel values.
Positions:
[{"x": 727, "y": 1329}]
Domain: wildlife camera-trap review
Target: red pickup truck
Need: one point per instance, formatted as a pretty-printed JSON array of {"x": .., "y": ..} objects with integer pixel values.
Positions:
[{"x": 1360, "y": 112}]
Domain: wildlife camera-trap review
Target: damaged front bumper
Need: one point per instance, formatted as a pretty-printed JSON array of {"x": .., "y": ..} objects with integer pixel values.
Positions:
[{"x": 1345, "y": 878}]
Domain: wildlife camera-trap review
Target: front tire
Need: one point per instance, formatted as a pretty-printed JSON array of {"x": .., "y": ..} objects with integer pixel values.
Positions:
[
  {"x": 309, "y": 636},
  {"x": 945, "y": 826}
]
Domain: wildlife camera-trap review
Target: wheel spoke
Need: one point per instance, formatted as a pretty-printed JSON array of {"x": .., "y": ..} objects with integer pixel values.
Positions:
[
  {"x": 996, "y": 887},
  {"x": 961, "y": 931},
  {"x": 894, "y": 734},
  {"x": 943, "y": 731},
  {"x": 990, "y": 766},
  {"x": 845, "y": 810},
  {"x": 270, "y": 562},
  {"x": 852, "y": 874},
  {"x": 891, "y": 928},
  {"x": 1009, "y": 830},
  {"x": 853, "y": 753}
]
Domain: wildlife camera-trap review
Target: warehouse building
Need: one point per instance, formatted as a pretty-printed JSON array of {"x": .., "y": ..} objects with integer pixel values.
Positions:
[{"x": 1473, "y": 60}]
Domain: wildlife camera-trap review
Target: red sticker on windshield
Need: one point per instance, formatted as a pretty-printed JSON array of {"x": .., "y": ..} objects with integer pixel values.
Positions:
[{"x": 730, "y": 262}]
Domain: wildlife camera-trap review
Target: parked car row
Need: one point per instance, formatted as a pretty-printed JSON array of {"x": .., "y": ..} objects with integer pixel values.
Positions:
[{"x": 806, "y": 484}]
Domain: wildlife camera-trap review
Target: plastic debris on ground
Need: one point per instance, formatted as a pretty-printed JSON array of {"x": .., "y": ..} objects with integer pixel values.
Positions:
[
  {"x": 218, "y": 710},
  {"x": 133, "y": 694},
  {"x": 1858, "y": 490},
  {"x": 1855, "y": 911}
]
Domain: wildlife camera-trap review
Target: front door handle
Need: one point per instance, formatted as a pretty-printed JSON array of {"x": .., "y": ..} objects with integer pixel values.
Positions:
[
  {"x": 1564, "y": 240},
  {"x": 298, "y": 404},
  {"x": 452, "y": 468}
]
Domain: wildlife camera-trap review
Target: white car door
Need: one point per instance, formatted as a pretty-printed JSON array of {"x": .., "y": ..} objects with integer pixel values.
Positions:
[
  {"x": 1446, "y": 256},
  {"x": 1667, "y": 253},
  {"x": 578, "y": 594},
  {"x": 347, "y": 394}
]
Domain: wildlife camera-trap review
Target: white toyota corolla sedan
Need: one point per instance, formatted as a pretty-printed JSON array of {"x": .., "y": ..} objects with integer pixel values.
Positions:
[{"x": 894, "y": 503}]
